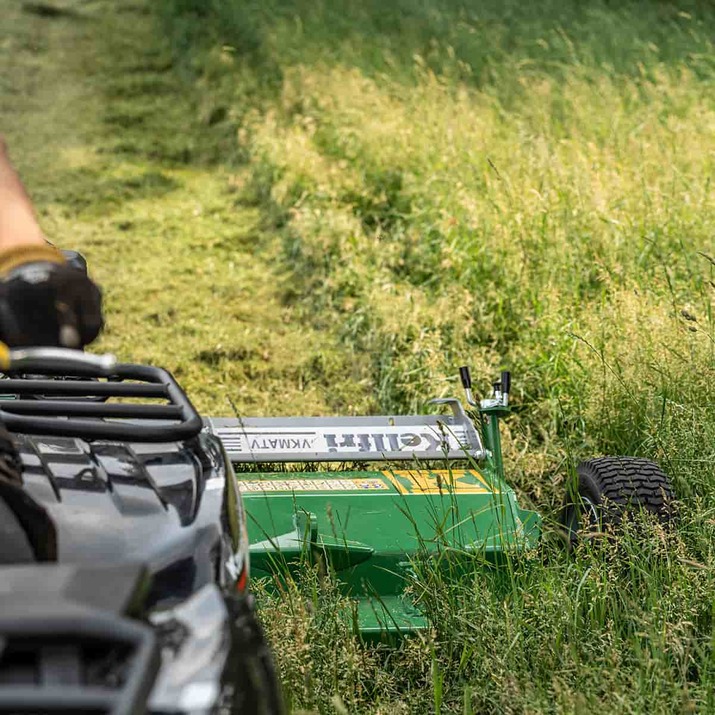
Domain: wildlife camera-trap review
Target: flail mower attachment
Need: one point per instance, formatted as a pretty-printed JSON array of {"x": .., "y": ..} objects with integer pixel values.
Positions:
[{"x": 422, "y": 487}]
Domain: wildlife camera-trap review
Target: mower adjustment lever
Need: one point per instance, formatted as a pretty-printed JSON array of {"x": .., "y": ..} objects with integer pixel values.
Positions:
[
  {"x": 506, "y": 382},
  {"x": 505, "y": 386},
  {"x": 466, "y": 378}
]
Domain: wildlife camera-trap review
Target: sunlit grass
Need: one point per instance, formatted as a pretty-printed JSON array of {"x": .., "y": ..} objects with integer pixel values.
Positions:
[
  {"x": 545, "y": 210},
  {"x": 510, "y": 185},
  {"x": 327, "y": 206}
]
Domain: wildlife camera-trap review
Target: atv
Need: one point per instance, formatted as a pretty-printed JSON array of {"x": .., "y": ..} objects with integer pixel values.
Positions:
[
  {"x": 124, "y": 553},
  {"x": 419, "y": 487}
]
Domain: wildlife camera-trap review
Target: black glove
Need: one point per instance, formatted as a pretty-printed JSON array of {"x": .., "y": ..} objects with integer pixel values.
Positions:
[{"x": 46, "y": 302}]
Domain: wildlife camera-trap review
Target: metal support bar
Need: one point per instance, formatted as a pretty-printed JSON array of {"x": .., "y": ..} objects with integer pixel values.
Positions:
[
  {"x": 52, "y": 408},
  {"x": 74, "y": 388}
]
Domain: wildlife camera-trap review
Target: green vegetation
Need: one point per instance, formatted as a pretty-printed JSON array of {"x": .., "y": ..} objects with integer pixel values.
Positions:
[
  {"x": 328, "y": 206},
  {"x": 130, "y": 166}
]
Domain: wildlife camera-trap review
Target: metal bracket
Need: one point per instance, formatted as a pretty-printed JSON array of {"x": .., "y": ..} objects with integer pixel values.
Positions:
[{"x": 306, "y": 541}]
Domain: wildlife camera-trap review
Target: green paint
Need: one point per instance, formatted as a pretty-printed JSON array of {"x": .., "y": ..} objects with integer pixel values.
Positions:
[
  {"x": 370, "y": 528},
  {"x": 490, "y": 435}
]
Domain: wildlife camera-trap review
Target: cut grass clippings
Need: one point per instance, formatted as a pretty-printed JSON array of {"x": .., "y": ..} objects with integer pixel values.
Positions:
[
  {"x": 126, "y": 164},
  {"x": 327, "y": 206}
]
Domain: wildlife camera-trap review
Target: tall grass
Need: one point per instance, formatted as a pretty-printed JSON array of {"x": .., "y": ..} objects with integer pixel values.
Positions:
[
  {"x": 507, "y": 184},
  {"x": 622, "y": 626},
  {"x": 502, "y": 183}
]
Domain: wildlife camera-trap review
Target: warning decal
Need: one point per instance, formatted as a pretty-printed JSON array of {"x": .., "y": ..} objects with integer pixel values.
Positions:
[
  {"x": 421, "y": 481},
  {"x": 311, "y": 485}
]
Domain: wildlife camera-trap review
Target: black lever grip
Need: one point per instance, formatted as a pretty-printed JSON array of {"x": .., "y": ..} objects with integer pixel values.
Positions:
[
  {"x": 465, "y": 377},
  {"x": 505, "y": 382}
]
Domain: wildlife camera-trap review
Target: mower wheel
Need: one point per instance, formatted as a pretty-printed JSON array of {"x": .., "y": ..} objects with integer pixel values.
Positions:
[{"x": 611, "y": 487}]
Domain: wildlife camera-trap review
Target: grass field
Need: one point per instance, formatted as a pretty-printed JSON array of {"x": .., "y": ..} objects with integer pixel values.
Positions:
[{"x": 327, "y": 206}]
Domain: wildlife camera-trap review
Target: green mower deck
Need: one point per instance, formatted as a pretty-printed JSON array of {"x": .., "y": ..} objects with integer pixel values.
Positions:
[{"x": 437, "y": 491}]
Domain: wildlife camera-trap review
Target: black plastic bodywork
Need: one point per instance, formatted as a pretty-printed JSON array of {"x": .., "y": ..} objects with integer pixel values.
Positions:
[
  {"x": 63, "y": 651},
  {"x": 135, "y": 614},
  {"x": 117, "y": 502}
]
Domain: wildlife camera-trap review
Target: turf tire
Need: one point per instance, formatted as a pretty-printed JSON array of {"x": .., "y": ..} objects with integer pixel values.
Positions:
[{"x": 610, "y": 488}]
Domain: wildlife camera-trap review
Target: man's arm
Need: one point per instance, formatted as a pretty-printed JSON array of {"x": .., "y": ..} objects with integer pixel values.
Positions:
[
  {"x": 43, "y": 300},
  {"x": 18, "y": 224}
]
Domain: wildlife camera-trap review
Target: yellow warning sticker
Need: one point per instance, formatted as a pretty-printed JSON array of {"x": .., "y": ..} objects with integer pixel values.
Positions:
[
  {"x": 311, "y": 485},
  {"x": 422, "y": 481}
]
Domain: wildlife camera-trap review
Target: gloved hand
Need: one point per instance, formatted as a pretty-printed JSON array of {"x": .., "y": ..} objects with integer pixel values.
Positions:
[{"x": 44, "y": 301}]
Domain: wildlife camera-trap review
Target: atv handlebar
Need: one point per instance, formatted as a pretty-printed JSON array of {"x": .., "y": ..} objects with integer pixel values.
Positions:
[{"x": 56, "y": 361}]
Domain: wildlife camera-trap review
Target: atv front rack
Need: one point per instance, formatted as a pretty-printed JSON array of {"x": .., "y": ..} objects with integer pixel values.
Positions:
[
  {"x": 350, "y": 439},
  {"x": 77, "y": 403}
]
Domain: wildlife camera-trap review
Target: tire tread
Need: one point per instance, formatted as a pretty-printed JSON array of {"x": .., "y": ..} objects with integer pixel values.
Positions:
[{"x": 631, "y": 482}]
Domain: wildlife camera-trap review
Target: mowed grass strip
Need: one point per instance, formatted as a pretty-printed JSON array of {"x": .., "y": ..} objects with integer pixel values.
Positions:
[
  {"x": 321, "y": 207},
  {"x": 126, "y": 164},
  {"x": 509, "y": 184}
]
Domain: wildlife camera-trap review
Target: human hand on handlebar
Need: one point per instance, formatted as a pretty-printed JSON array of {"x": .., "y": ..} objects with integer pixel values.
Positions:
[{"x": 44, "y": 301}]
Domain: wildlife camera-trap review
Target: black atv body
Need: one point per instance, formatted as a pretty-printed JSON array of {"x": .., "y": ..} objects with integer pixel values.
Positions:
[{"x": 124, "y": 574}]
